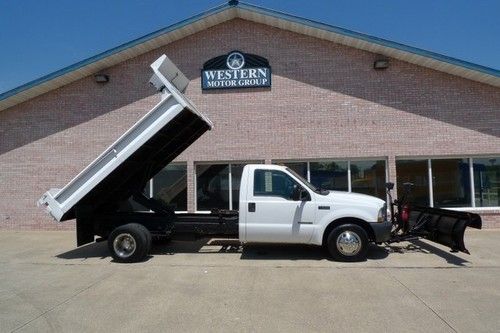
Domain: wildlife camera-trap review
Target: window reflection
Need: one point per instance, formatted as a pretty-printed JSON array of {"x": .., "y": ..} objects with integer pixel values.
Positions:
[
  {"x": 451, "y": 183},
  {"x": 368, "y": 177},
  {"x": 212, "y": 186},
  {"x": 416, "y": 172},
  {"x": 329, "y": 175},
  {"x": 170, "y": 186},
  {"x": 487, "y": 182},
  {"x": 236, "y": 172},
  {"x": 298, "y": 167}
]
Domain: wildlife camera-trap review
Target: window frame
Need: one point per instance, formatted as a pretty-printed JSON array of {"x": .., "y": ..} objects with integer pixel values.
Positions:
[
  {"x": 470, "y": 161},
  {"x": 348, "y": 160},
  {"x": 295, "y": 181},
  {"x": 230, "y": 180},
  {"x": 151, "y": 184}
]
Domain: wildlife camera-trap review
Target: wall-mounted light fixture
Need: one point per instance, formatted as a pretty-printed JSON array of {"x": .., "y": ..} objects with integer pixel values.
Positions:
[
  {"x": 101, "y": 78},
  {"x": 381, "y": 63}
]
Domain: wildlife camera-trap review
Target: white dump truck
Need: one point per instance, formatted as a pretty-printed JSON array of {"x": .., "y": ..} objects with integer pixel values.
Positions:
[{"x": 276, "y": 204}]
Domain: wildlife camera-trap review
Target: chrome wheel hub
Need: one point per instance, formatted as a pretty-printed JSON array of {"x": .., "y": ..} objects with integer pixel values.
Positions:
[
  {"x": 348, "y": 243},
  {"x": 124, "y": 245}
]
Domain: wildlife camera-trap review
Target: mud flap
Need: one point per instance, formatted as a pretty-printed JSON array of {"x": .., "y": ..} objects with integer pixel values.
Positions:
[
  {"x": 84, "y": 232},
  {"x": 443, "y": 226},
  {"x": 84, "y": 229}
]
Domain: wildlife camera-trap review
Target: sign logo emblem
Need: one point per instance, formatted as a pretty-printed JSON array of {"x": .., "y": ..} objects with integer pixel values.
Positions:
[
  {"x": 236, "y": 70},
  {"x": 235, "y": 60}
]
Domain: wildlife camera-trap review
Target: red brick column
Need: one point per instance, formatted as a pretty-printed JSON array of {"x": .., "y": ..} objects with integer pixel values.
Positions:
[
  {"x": 391, "y": 173},
  {"x": 191, "y": 191}
]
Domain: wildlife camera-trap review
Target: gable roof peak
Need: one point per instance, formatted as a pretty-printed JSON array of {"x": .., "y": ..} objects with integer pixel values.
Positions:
[{"x": 236, "y": 9}]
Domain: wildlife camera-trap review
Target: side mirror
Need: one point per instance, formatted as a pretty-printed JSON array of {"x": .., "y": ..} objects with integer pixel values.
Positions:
[
  {"x": 389, "y": 186},
  {"x": 296, "y": 193},
  {"x": 304, "y": 195}
]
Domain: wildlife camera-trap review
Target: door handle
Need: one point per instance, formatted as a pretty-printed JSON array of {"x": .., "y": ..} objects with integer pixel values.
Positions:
[{"x": 251, "y": 207}]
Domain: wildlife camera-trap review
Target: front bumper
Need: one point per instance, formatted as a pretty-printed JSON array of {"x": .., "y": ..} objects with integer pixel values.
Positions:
[{"x": 382, "y": 231}]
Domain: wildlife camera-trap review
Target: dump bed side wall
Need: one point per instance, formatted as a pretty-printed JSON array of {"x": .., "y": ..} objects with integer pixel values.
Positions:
[
  {"x": 148, "y": 146},
  {"x": 132, "y": 175}
]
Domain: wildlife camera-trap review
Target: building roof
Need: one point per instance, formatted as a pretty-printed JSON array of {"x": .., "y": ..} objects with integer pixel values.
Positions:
[{"x": 235, "y": 9}]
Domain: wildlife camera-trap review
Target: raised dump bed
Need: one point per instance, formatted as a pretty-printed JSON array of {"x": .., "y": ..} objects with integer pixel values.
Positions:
[{"x": 125, "y": 167}]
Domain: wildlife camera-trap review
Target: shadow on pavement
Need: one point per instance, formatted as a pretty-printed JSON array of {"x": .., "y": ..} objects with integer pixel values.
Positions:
[
  {"x": 202, "y": 246},
  {"x": 255, "y": 251},
  {"x": 418, "y": 246},
  {"x": 92, "y": 250},
  {"x": 446, "y": 255},
  {"x": 207, "y": 246}
]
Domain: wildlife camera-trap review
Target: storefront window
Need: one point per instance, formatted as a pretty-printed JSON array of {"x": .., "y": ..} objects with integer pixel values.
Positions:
[
  {"x": 329, "y": 175},
  {"x": 368, "y": 177},
  {"x": 212, "y": 186},
  {"x": 416, "y": 172},
  {"x": 298, "y": 167},
  {"x": 218, "y": 186},
  {"x": 170, "y": 186},
  {"x": 450, "y": 185},
  {"x": 451, "y": 182},
  {"x": 487, "y": 181},
  {"x": 236, "y": 172}
]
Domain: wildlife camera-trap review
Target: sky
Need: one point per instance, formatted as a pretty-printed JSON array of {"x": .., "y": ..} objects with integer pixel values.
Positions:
[{"x": 40, "y": 37}]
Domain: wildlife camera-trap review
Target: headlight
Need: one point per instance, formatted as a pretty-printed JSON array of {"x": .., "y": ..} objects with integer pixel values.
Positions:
[{"x": 382, "y": 214}]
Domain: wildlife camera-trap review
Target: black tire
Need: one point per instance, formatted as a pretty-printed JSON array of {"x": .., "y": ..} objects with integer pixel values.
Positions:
[
  {"x": 129, "y": 243},
  {"x": 351, "y": 234},
  {"x": 149, "y": 236}
]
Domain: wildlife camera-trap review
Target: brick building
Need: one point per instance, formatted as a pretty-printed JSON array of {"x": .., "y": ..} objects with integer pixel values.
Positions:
[{"x": 346, "y": 110}]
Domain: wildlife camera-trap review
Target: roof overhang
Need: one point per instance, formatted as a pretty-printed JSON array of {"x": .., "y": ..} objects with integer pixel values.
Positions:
[{"x": 256, "y": 14}]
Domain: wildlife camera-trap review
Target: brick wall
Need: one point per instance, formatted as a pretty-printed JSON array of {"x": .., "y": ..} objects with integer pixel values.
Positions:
[{"x": 326, "y": 101}]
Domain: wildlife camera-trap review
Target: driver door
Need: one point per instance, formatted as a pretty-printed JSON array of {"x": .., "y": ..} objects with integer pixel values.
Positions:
[{"x": 272, "y": 215}]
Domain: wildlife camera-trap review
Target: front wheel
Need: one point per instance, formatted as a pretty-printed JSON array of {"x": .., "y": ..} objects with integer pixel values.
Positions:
[
  {"x": 348, "y": 242},
  {"x": 129, "y": 243}
]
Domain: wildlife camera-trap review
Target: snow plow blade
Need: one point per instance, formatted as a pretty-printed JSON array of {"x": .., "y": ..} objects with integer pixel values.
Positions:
[{"x": 443, "y": 226}]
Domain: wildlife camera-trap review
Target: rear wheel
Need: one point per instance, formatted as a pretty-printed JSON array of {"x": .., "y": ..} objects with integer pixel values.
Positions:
[
  {"x": 348, "y": 242},
  {"x": 129, "y": 243}
]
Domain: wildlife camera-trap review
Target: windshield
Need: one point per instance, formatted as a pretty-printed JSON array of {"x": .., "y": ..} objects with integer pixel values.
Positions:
[{"x": 303, "y": 180}]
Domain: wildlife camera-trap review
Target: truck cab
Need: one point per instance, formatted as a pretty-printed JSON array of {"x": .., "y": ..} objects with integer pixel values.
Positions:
[{"x": 279, "y": 206}]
